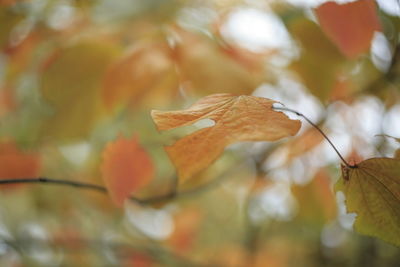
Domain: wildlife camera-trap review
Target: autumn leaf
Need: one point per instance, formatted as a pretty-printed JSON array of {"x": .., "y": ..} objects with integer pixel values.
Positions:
[
  {"x": 147, "y": 71},
  {"x": 372, "y": 190},
  {"x": 187, "y": 224},
  {"x": 353, "y": 32},
  {"x": 126, "y": 168},
  {"x": 8, "y": 20},
  {"x": 15, "y": 163},
  {"x": 314, "y": 46},
  {"x": 206, "y": 67},
  {"x": 237, "y": 118},
  {"x": 317, "y": 204},
  {"x": 71, "y": 84}
]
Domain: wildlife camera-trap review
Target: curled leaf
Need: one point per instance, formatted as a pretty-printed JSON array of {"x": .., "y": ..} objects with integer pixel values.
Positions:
[
  {"x": 126, "y": 168},
  {"x": 372, "y": 191},
  {"x": 237, "y": 118}
]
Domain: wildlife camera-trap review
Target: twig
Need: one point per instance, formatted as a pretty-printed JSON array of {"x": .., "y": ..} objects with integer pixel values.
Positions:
[
  {"x": 173, "y": 195},
  {"x": 319, "y": 130}
]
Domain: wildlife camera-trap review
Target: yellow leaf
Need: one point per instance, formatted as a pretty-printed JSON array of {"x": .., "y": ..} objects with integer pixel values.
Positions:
[
  {"x": 372, "y": 190},
  {"x": 71, "y": 84},
  {"x": 237, "y": 118}
]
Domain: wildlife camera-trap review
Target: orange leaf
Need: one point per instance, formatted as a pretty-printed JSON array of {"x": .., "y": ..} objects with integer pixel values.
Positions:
[
  {"x": 15, "y": 163},
  {"x": 126, "y": 168},
  {"x": 146, "y": 71},
  {"x": 187, "y": 224},
  {"x": 350, "y": 26},
  {"x": 237, "y": 118},
  {"x": 317, "y": 203}
]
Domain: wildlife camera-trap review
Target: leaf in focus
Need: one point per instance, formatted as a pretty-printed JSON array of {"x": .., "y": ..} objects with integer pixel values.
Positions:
[
  {"x": 15, "y": 163},
  {"x": 354, "y": 31},
  {"x": 71, "y": 84},
  {"x": 126, "y": 168},
  {"x": 372, "y": 191},
  {"x": 237, "y": 118},
  {"x": 314, "y": 47}
]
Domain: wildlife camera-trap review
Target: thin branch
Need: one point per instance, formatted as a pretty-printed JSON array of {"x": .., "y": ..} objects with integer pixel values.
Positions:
[
  {"x": 173, "y": 195},
  {"x": 319, "y": 130},
  {"x": 55, "y": 182}
]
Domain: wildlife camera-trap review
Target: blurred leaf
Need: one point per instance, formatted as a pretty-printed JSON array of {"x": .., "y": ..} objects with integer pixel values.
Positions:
[
  {"x": 300, "y": 145},
  {"x": 71, "y": 84},
  {"x": 353, "y": 32},
  {"x": 8, "y": 20},
  {"x": 206, "y": 67},
  {"x": 7, "y": 100},
  {"x": 372, "y": 190},
  {"x": 320, "y": 61},
  {"x": 237, "y": 118},
  {"x": 146, "y": 72},
  {"x": 15, "y": 163},
  {"x": 126, "y": 168},
  {"x": 187, "y": 223},
  {"x": 317, "y": 203},
  {"x": 21, "y": 55}
]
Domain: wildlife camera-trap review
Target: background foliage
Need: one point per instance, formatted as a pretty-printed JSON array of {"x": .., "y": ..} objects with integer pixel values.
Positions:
[{"x": 78, "y": 79}]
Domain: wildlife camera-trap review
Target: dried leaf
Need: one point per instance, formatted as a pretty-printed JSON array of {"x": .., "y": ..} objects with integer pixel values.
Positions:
[
  {"x": 126, "y": 168},
  {"x": 353, "y": 32},
  {"x": 15, "y": 163},
  {"x": 372, "y": 191},
  {"x": 237, "y": 118}
]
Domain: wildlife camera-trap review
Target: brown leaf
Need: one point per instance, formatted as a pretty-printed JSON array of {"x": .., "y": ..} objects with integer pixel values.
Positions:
[
  {"x": 237, "y": 118},
  {"x": 126, "y": 168},
  {"x": 353, "y": 32}
]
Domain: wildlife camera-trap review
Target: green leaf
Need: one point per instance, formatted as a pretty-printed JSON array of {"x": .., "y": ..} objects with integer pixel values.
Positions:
[{"x": 372, "y": 191}]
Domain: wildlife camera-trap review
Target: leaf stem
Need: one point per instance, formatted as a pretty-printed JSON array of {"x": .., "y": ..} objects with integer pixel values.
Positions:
[{"x": 319, "y": 130}]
